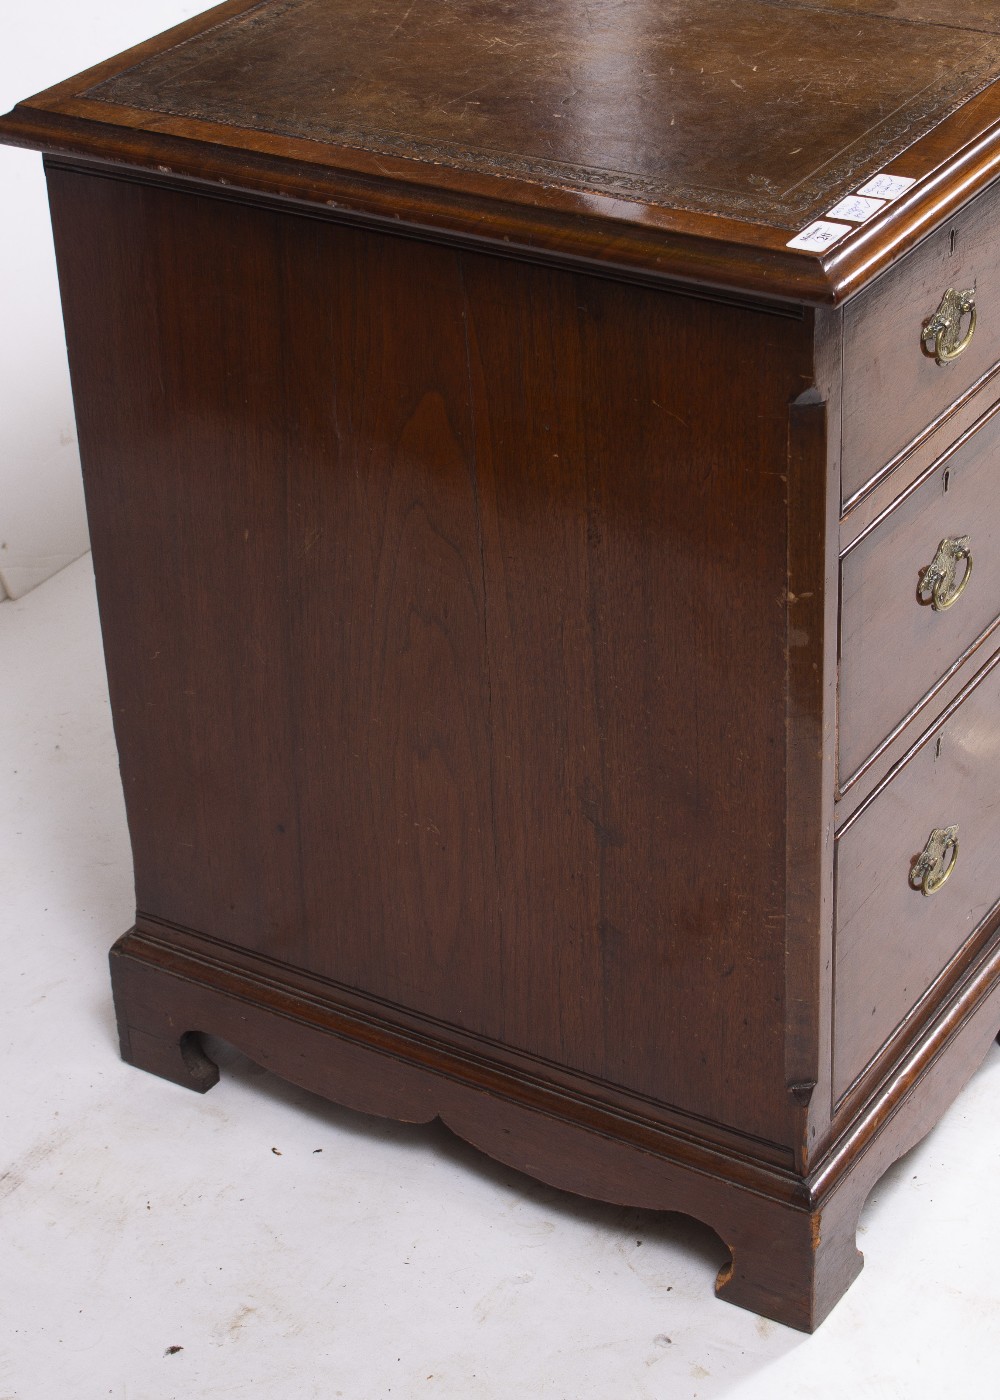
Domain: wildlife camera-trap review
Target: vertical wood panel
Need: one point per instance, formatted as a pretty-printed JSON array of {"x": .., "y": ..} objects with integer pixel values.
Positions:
[
  {"x": 170, "y": 312},
  {"x": 275, "y": 414},
  {"x": 636, "y": 564},
  {"x": 472, "y": 697},
  {"x": 388, "y": 620}
]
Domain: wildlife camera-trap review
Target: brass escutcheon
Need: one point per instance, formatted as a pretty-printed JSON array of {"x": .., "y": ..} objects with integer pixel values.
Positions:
[
  {"x": 939, "y": 578},
  {"x": 934, "y": 865},
  {"x": 945, "y": 326}
]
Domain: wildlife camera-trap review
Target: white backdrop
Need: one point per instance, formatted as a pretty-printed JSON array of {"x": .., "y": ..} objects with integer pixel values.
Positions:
[{"x": 42, "y": 522}]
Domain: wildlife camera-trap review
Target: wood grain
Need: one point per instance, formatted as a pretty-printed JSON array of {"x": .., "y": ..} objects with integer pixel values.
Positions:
[
  {"x": 894, "y": 645},
  {"x": 617, "y": 585},
  {"x": 456, "y": 717},
  {"x": 792, "y": 1239},
  {"x": 892, "y": 386},
  {"x": 893, "y": 942},
  {"x": 482, "y": 764}
]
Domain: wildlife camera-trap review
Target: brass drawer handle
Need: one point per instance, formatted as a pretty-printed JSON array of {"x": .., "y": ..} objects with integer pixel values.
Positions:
[
  {"x": 934, "y": 865},
  {"x": 945, "y": 326},
  {"x": 939, "y": 578}
]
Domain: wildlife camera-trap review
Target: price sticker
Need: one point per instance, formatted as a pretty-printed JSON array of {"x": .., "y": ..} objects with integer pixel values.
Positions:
[
  {"x": 857, "y": 208},
  {"x": 886, "y": 186},
  {"x": 818, "y": 236}
]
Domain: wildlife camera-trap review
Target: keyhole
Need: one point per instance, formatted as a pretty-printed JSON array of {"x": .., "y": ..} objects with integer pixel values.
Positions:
[
  {"x": 946, "y": 479},
  {"x": 937, "y": 747},
  {"x": 953, "y": 241}
]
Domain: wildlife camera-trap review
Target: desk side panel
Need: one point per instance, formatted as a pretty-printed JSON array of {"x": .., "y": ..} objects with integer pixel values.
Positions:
[
  {"x": 445, "y": 612},
  {"x": 631, "y": 462}
]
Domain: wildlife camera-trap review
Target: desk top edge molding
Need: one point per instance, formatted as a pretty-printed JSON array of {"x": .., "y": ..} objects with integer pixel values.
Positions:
[{"x": 513, "y": 207}]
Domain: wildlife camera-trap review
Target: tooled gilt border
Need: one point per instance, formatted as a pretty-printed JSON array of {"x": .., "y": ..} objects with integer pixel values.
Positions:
[{"x": 764, "y": 203}]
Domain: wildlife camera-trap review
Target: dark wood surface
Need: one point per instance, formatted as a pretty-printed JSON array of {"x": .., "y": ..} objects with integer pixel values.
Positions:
[
  {"x": 893, "y": 942},
  {"x": 432, "y": 740},
  {"x": 886, "y": 363},
  {"x": 920, "y": 455},
  {"x": 480, "y": 755},
  {"x": 448, "y": 698},
  {"x": 687, "y": 139},
  {"x": 792, "y": 1237},
  {"x": 895, "y": 646}
]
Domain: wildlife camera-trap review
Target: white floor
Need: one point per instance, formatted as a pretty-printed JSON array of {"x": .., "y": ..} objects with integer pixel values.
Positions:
[{"x": 158, "y": 1245}]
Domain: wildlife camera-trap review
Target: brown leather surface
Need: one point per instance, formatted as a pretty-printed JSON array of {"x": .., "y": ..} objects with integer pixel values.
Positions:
[
  {"x": 960, "y": 14},
  {"x": 765, "y": 110}
]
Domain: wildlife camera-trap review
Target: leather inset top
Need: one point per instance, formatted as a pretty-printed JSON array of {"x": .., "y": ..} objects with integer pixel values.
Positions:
[{"x": 765, "y": 111}]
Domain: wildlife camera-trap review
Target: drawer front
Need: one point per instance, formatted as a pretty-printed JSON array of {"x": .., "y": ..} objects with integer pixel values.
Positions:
[
  {"x": 893, "y": 386},
  {"x": 893, "y": 941},
  {"x": 896, "y": 638}
]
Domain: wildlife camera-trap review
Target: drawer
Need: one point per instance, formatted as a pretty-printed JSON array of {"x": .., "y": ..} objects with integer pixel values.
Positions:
[
  {"x": 894, "y": 389},
  {"x": 893, "y": 941},
  {"x": 896, "y": 641}
]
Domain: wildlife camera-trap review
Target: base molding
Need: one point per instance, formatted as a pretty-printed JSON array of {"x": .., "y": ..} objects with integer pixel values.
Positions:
[
  {"x": 792, "y": 1238},
  {"x": 420, "y": 1038}
]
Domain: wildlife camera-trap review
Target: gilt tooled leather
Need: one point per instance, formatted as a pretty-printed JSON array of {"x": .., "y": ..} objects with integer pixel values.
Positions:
[{"x": 764, "y": 111}]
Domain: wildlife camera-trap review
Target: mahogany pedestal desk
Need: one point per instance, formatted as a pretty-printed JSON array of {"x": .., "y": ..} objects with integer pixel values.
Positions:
[{"x": 542, "y": 469}]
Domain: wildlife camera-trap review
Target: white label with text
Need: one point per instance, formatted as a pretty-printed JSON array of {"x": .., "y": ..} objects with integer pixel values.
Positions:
[
  {"x": 818, "y": 236},
  {"x": 856, "y": 208},
  {"x": 887, "y": 186}
]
